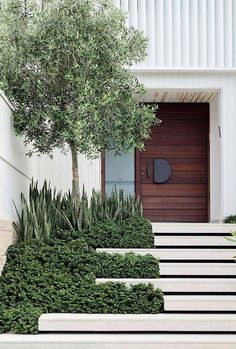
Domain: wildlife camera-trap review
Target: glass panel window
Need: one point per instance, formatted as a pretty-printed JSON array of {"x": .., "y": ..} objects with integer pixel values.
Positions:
[{"x": 119, "y": 172}]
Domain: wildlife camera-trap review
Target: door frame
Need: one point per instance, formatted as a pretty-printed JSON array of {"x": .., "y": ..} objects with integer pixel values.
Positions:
[{"x": 137, "y": 167}]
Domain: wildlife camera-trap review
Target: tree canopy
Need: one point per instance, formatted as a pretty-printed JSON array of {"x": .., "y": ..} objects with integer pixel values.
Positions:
[{"x": 65, "y": 66}]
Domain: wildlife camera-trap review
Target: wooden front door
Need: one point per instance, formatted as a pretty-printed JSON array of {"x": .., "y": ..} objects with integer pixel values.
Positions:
[{"x": 183, "y": 140}]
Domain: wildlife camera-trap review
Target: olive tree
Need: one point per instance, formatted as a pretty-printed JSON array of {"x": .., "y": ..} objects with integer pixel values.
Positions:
[{"x": 65, "y": 66}]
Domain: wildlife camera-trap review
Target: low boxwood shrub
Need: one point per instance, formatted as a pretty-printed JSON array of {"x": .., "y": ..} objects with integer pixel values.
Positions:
[
  {"x": 117, "y": 298},
  {"x": 230, "y": 219},
  {"x": 23, "y": 319},
  {"x": 60, "y": 277},
  {"x": 128, "y": 265},
  {"x": 133, "y": 232}
]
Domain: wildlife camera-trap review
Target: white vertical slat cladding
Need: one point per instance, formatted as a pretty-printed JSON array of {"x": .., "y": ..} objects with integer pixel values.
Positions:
[
  {"x": 125, "y": 7},
  {"x": 186, "y": 33},
  {"x": 219, "y": 33},
  {"x": 193, "y": 28},
  {"x": 234, "y": 32},
  {"x": 133, "y": 13},
  {"x": 228, "y": 35},
  {"x": 142, "y": 16},
  {"x": 202, "y": 36},
  {"x": 168, "y": 33},
  {"x": 159, "y": 27},
  {"x": 211, "y": 39},
  {"x": 151, "y": 32},
  {"x": 176, "y": 34}
]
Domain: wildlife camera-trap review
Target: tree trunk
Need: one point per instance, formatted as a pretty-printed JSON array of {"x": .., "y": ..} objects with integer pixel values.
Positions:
[{"x": 75, "y": 175}]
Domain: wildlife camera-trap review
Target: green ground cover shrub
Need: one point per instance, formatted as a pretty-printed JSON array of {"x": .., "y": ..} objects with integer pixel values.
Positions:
[
  {"x": 54, "y": 265},
  {"x": 133, "y": 232},
  {"x": 60, "y": 277},
  {"x": 230, "y": 219},
  {"x": 128, "y": 265}
]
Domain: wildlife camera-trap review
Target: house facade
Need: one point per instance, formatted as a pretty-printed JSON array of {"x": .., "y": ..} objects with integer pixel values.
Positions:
[{"x": 190, "y": 72}]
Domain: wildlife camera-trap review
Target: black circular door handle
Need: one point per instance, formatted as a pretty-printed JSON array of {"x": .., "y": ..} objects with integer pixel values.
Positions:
[{"x": 162, "y": 170}]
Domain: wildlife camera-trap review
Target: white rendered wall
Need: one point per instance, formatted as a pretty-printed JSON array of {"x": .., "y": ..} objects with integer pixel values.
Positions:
[{"x": 15, "y": 168}]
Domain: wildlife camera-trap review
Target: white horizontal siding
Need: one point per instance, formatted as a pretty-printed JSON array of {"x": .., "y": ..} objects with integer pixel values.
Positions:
[{"x": 185, "y": 33}]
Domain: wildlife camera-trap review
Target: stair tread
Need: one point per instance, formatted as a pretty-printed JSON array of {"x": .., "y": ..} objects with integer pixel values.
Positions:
[
  {"x": 120, "y": 341},
  {"x": 186, "y": 228},
  {"x": 178, "y": 253},
  {"x": 179, "y": 285},
  {"x": 137, "y": 322},
  {"x": 173, "y": 240}
]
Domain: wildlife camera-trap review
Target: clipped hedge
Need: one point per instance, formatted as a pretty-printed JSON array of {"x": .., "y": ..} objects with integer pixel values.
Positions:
[
  {"x": 230, "y": 219},
  {"x": 128, "y": 265},
  {"x": 60, "y": 277},
  {"x": 133, "y": 232}
]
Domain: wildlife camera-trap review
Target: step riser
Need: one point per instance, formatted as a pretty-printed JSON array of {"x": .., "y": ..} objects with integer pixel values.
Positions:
[
  {"x": 136, "y": 322},
  {"x": 211, "y": 269},
  {"x": 192, "y": 241},
  {"x": 183, "y": 285},
  {"x": 178, "y": 253},
  {"x": 200, "y": 303},
  {"x": 198, "y": 228},
  {"x": 117, "y": 341}
]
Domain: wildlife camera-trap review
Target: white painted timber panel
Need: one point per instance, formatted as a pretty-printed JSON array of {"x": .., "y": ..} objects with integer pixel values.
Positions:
[
  {"x": 197, "y": 33},
  {"x": 179, "y": 285},
  {"x": 178, "y": 253},
  {"x": 202, "y": 303},
  {"x": 118, "y": 341},
  {"x": 213, "y": 269},
  {"x": 137, "y": 322}
]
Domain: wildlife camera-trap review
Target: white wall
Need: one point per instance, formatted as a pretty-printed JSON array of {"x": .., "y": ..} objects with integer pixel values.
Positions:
[
  {"x": 58, "y": 171},
  {"x": 185, "y": 33},
  {"x": 226, "y": 83},
  {"x": 15, "y": 168}
]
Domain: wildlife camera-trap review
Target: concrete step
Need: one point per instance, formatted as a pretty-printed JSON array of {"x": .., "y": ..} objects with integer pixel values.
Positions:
[
  {"x": 178, "y": 253},
  {"x": 191, "y": 269},
  {"x": 173, "y": 240},
  {"x": 190, "y": 228},
  {"x": 5, "y": 225},
  {"x": 118, "y": 341},
  {"x": 2, "y": 263},
  {"x": 199, "y": 303},
  {"x": 179, "y": 285},
  {"x": 137, "y": 322},
  {"x": 7, "y": 238}
]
